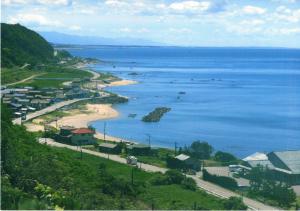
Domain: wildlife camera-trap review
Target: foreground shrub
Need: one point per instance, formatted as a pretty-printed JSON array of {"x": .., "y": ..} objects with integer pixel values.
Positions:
[{"x": 226, "y": 182}]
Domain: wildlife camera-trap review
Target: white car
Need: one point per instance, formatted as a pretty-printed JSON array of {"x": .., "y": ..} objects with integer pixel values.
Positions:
[{"x": 131, "y": 160}]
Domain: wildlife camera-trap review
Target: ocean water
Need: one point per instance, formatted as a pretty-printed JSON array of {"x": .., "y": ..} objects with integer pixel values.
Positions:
[{"x": 239, "y": 100}]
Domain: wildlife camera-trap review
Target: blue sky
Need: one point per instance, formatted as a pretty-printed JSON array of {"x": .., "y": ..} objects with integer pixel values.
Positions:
[{"x": 175, "y": 22}]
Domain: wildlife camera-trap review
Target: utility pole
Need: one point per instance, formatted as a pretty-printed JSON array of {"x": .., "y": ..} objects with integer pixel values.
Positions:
[
  {"x": 132, "y": 176},
  {"x": 104, "y": 130},
  {"x": 80, "y": 150},
  {"x": 56, "y": 119},
  {"x": 149, "y": 139}
]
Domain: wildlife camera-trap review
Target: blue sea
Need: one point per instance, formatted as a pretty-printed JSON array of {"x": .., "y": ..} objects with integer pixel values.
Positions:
[{"x": 239, "y": 100}]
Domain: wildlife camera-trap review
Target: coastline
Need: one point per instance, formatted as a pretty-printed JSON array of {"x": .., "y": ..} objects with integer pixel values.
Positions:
[{"x": 83, "y": 117}]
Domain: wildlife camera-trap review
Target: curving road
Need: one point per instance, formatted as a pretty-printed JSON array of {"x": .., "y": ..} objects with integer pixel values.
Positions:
[{"x": 206, "y": 186}]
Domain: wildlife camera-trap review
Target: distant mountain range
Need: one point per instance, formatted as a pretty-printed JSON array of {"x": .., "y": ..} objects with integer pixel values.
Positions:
[{"x": 61, "y": 38}]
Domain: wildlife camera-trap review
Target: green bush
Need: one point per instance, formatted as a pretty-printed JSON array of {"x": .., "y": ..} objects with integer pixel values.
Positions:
[
  {"x": 189, "y": 183},
  {"x": 224, "y": 157},
  {"x": 226, "y": 182},
  {"x": 234, "y": 203}
]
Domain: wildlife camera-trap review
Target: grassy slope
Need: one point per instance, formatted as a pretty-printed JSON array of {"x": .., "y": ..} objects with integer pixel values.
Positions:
[
  {"x": 11, "y": 75},
  {"x": 83, "y": 183}
]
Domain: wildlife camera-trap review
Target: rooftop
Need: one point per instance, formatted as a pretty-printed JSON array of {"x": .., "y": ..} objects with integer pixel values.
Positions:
[
  {"x": 256, "y": 156},
  {"x": 83, "y": 131},
  {"x": 289, "y": 160},
  {"x": 182, "y": 157}
]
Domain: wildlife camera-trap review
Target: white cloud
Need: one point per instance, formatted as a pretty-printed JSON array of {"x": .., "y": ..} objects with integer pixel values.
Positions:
[
  {"x": 115, "y": 3},
  {"x": 254, "y": 22},
  {"x": 54, "y": 2},
  {"x": 252, "y": 10},
  {"x": 282, "y": 31},
  {"x": 33, "y": 19},
  {"x": 143, "y": 30},
  {"x": 75, "y": 28},
  {"x": 286, "y": 14},
  {"x": 13, "y": 2},
  {"x": 125, "y": 30},
  {"x": 179, "y": 30},
  {"x": 188, "y": 6}
]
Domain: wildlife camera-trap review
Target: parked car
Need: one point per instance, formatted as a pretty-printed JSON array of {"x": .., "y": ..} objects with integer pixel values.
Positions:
[{"x": 131, "y": 160}]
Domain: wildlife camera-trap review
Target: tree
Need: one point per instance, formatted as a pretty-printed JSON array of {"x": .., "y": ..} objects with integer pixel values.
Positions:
[
  {"x": 224, "y": 157},
  {"x": 261, "y": 184},
  {"x": 174, "y": 176},
  {"x": 200, "y": 150}
]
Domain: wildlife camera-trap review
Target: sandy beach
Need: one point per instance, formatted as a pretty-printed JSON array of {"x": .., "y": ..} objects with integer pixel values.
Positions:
[
  {"x": 122, "y": 83},
  {"x": 81, "y": 118}
]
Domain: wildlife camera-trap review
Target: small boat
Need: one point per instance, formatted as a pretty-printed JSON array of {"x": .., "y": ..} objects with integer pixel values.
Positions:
[{"x": 132, "y": 115}]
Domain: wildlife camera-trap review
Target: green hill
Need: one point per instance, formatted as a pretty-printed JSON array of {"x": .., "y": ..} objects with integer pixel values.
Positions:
[{"x": 20, "y": 45}]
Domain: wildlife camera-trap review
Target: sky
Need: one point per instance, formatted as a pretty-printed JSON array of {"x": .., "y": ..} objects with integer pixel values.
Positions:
[{"x": 271, "y": 23}]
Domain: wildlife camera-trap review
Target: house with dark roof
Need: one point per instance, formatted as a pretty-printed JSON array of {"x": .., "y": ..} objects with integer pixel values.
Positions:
[
  {"x": 139, "y": 149},
  {"x": 183, "y": 161},
  {"x": 284, "y": 164},
  {"x": 110, "y": 148}
]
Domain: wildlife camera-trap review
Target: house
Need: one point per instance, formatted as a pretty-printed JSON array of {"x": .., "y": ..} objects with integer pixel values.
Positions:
[
  {"x": 20, "y": 90},
  {"x": 285, "y": 165},
  {"x": 15, "y": 106},
  {"x": 83, "y": 136},
  {"x": 23, "y": 101},
  {"x": 110, "y": 148},
  {"x": 187, "y": 162},
  {"x": 65, "y": 134},
  {"x": 76, "y": 136},
  {"x": 39, "y": 103},
  {"x": 139, "y": 149}
]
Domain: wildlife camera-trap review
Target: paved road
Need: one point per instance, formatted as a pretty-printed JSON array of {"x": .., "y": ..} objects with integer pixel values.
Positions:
[
  {"x": 208, "y": 187},
  {"x": 48, "y": 110}
]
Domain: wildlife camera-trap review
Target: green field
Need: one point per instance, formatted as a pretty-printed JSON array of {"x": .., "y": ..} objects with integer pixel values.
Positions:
[
  {"x": 11, "y": 75},
  {"x": 56, "y": 77}
]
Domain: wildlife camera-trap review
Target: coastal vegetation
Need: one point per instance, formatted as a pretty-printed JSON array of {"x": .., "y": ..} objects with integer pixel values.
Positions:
[
  {"x": 20, "y": 46},
  {"x": 226, "y": 182},
  {"x": 156, "y": 115},
  {"x": 36, "y": 176}
]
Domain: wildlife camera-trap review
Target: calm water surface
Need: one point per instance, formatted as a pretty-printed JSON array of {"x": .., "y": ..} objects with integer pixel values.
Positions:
[{"x": 240, "y": 100}]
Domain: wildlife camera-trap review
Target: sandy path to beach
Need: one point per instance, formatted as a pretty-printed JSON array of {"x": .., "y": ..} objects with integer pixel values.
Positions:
[{"x": 92, "y": 112}]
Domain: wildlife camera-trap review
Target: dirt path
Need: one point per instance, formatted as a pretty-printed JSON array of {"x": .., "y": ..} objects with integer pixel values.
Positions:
[{"x": 24, "y": 80}]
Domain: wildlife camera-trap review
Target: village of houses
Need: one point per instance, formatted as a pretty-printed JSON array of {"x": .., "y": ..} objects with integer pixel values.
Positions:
[{"x": 26, "y": 100}]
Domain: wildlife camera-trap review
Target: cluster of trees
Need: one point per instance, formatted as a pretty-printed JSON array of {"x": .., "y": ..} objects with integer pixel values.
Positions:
[
  {"x": 20, "y": 45},
  {"x": 225, "y": 157},
  {"x": 198, "y": 149},
  {"x": 226, "y": 182},
  {"x": 262, "y": 186}
]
